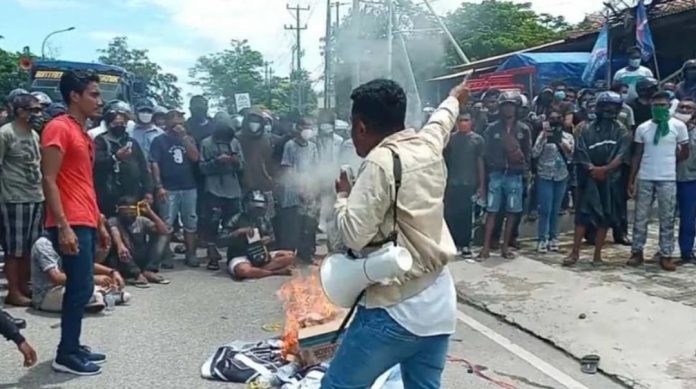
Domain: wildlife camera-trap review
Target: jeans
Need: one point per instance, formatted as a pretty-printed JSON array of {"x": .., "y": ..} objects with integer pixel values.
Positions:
[
  {"x": 550, "y": 194},
  {"x": 374, "y": 343},
  {"x": 144, "y": 258},
  {"x": 686, "y": 196},
  {"x": 79, "y": 286},
  {"x": 297, "y": 231},
  {"x": 182, "y": 202},
  {"x": 505, "y": 192},
  {"x": 459, "y": 210},
  {"x": 666, "y": 193}
]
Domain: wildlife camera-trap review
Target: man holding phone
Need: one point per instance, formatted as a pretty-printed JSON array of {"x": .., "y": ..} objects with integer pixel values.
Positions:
[{"x": 222, "y": 162}]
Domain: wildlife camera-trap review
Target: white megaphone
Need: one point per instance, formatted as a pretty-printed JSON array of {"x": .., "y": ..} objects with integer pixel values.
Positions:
[{"x": 343, "y": 278}]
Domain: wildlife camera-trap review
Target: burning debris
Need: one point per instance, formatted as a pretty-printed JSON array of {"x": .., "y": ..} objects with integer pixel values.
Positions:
[{"x": 305, "y": 306}]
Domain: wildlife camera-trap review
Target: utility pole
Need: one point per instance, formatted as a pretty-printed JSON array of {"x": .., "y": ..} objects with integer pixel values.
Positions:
[
  {"x": 338, "y": 6},
  {"x": 327, "y": 55},
  {"x": 447, "y": 32},
  {"x": 298, "y": 46},
  {"x": 356, "y": 33},
  {"x": 267, "y": 74},
  {"x": 390, "y": 38}
]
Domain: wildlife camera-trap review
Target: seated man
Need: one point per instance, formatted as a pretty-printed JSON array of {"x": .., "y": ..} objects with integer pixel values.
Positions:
[
  {"x": 250, "y": 235},
  {"x": 139, "y": 242},
  {"x": 48, "y": 280}
]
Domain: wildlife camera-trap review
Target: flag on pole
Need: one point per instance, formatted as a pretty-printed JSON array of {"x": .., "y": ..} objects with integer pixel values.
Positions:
[
  {"x": 643, "y": 34},
  {"x": 598, "y": 57}
]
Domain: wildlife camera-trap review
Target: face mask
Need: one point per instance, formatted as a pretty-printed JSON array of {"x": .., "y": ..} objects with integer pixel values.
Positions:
[
  {"x": 634, "y": 62},
  {"x": 684, "y": 117},
  {"x": 268, "y": 128},
  {"x": 306, "y": 134},
  {"x": 118, "y": 130},
  {"x": 326, "y": 129},
  {"x": 555, "y": 123},
  {"x": 37, "y": 121},
  {"x": 660, "y": 114},
  {"x": 624, "y": 96},
  {"x": 254, "y": 127},
  {"x": 559, "y": 95},
  {"x": 145, "y": 117}
]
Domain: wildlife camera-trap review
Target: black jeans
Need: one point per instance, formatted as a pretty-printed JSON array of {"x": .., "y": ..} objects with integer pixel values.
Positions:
[
  {"x": 216, "y": 210},
  {"x": 459, "y": 213},
  {"x": 296, "y": 231},
  {"x": 143, "y": 258}
]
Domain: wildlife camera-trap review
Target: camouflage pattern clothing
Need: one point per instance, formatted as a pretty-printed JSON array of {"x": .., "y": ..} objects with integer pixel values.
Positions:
[{"x": 666, "y": 193}]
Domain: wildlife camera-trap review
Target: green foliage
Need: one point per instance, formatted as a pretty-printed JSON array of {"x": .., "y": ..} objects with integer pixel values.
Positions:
[
  {"x": 161, "y": 86},
  {"x": 11, "y": 75},
  {"x": 495, "y": 27}
]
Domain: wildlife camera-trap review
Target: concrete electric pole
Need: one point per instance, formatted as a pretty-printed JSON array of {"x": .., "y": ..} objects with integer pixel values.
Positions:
[{"x": 298, "y": 28}]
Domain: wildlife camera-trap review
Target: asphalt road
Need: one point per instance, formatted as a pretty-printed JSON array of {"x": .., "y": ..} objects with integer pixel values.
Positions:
[{"x": 161, "y": 339}]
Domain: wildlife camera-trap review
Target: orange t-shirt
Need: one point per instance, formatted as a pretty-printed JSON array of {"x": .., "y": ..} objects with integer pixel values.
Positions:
[{"x": 75, "y": 180}]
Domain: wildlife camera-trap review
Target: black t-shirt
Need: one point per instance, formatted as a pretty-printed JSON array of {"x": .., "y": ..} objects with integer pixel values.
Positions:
[
  {"x": 461, "y": 156},
  {"x": 641, "y": 112},
  {"x": 176, "y": 169},
  {"x": 239, "y": 246}
]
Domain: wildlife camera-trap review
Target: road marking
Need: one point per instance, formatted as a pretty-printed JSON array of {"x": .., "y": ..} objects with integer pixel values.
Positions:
[{"x": 525, "y": 355}]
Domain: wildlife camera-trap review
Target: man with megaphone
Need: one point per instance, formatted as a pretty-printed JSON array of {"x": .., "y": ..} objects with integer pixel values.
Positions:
[{"x": 391, "y": 219}]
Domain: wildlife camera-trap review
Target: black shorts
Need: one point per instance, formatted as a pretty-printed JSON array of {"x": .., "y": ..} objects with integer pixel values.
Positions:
[{"x": 21, "y": 225}]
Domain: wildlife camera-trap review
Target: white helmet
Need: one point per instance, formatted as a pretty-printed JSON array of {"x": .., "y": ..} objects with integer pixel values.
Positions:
[{"x": 43, "y": 98}]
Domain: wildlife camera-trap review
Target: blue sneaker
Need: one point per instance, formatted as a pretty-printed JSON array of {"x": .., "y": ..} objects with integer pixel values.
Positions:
[
  {"x": 75, "y": 364},
  {"x": 86, "y": 353}
]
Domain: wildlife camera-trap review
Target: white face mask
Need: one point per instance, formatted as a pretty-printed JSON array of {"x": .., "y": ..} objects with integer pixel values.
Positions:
[
  {"x": 267, "y": 128},
  {"x": 307, "y": 134},
  {"x": 684, "y": 117},
  {"x": 326, "y": 128},
  {"x": 145, "y": 117},
  {"x": 254, "y": 127},
  {"x": 634, "y": 63}
]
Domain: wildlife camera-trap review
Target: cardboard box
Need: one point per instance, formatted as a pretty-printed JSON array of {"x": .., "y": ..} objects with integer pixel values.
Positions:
[{"x": 316, "y": 342}]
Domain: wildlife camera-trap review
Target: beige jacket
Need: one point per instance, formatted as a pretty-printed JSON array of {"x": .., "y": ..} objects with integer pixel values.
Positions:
[{"x": 365, "y": 216}]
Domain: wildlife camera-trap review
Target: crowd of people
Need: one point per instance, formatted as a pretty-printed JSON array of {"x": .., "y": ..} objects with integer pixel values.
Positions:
[{"x": 584, "y": 151}]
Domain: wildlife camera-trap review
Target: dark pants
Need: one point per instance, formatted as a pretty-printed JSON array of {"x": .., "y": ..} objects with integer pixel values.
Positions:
[
  {"x": 686, "y": 197},
  {"x": 297, "y": 231},
  {"x": 459, "y": 213},
  {"x": 79, "y": 287},
  {"x": 216, "y": 210},
  {"x": 145, "y": 258}
]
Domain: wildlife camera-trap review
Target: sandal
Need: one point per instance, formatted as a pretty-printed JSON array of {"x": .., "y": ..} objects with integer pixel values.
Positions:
[
  {"x": 139, "y": 284},
  {"x": 158, "y": 279},
  {"x": 509, "y": 255},
  {"x": 213, "y": 265}
]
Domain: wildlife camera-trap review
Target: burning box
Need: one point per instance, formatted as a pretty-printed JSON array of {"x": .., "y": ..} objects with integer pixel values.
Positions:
[{"x": 316, "y": 343}]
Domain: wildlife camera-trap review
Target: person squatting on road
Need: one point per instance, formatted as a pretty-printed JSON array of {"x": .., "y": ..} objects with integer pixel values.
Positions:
[{"x": 409, "y": 323}]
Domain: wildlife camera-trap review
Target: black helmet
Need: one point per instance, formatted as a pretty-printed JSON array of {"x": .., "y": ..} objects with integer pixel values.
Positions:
[
  {"x": 647, "y": 83},
  {"x": 609, "y": 97},
  {"x": 510, "y": 97},
  {"x": 255, "y": 199},
  {"x": 144, "y": 104}
]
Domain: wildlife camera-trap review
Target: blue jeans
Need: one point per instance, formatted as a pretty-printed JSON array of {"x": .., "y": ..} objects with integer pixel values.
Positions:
[
  {"x": 505, "y": 193},
  {"x": 79, "y": 286},
  {"x": 374, "y": 343},
  {"x": 182, "y": 202},
  {"x": 550, "y": 195},
  {"x": 686, "y": 196}
]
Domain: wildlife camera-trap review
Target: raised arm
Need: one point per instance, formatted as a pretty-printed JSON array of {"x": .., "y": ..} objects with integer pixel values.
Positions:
[{"x": 439, "y": 126}]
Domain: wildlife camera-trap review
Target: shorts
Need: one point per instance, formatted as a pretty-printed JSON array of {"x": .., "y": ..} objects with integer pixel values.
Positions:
[
  {"x": 504, "y": 189},
  {"x": 21, "y": 225},
  {"x": 232, "y": 263},
  {"x": 183, "y": 203}
]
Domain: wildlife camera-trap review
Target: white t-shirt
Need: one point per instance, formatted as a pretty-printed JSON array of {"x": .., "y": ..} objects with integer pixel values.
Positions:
[
  {"x": 631, "y": 78},
  {"x": 659, "y": 162},
  {"x": 431, "y": 312}
]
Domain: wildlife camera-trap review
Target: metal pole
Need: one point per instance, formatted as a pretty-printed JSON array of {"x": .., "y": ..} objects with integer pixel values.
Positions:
[
  {"x": 410, "y": 72},
  {"x": 43, "y": 44},
  {"x": 356, "y": 32},
  {"x": 390, "y": 39},
  {"x": 458, "y": 49},
  {"x": 327, "y": 55}
]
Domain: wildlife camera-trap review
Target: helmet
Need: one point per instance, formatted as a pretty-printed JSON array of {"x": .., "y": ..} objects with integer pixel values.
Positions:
[
  {"x": 609, "y": 97},
  {"x": 144, "y": 104},
  {"x": 690, "y": 64},
  {"x": 43, "y": 98},
  {"x": 237, "y": 121},
  {"x": 525, "y": 101},
  {"x": 117, "y": 106},
  {"x": 511, "y": 97},
  {"x": 14, "y": 93},
  {"x": 256, "y": 199},
  {"x": 646, "y": 83}
]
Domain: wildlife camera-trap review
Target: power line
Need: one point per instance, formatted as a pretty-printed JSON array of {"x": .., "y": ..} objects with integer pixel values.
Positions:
[{"x": 298, "y": 28}]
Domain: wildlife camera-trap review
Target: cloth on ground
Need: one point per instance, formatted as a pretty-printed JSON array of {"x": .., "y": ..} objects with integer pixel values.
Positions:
[{"x": 243, "y": 362}]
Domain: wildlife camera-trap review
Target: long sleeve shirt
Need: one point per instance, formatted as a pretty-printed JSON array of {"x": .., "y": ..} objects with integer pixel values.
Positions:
[
  {"x": 553, "y": 160},
  {"x": 8, "y": 329},
  {"x": 221, "y": 179}
]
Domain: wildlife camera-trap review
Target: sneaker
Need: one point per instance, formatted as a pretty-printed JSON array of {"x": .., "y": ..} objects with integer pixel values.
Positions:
[
  {"x": 554, "y": 246},
  {"x": 123, "y": 298},
  {"x": 75, "y": 364},
  {"x": 542, "y": 247},
  {"x": 466, "y": 253},
  {"x": 86, "y": 353}
]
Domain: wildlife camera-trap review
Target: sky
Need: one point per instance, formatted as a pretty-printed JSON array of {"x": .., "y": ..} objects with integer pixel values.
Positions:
[{"x": 178, "y": 32}]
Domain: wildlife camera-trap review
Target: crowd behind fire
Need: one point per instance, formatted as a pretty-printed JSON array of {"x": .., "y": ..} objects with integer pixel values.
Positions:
[{"x": 262, "y": 186}]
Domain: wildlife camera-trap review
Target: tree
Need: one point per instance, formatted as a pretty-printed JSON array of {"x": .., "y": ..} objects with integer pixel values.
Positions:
[
  {"x": 161, "y": 86},
  {"x": 11, "y": 75},
  {"x": 234, "y": 70},
  {"x": 495, "y": 27}
]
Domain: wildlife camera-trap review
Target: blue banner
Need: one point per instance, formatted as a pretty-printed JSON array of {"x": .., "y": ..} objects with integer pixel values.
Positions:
[
  {"x": 598, "y": 57},
  {"x": 643, "y": 34}
]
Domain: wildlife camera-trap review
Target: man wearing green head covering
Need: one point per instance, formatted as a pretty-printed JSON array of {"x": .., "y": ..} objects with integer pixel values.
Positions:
[{"x": 659, "y": 144}]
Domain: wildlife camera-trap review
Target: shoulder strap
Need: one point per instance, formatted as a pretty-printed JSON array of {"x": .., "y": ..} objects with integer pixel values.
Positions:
[{"x": 397, "y": 170}]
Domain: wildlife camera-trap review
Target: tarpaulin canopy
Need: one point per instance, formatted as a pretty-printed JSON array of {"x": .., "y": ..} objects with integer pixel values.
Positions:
[{"x": 567, "y": 67}]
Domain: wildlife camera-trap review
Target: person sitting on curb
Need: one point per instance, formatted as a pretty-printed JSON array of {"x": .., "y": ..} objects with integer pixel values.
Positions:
[
  {"x": 48, "y": 280},
  {"x": 9, "y": 328},
  {"x": 139, "y": 242},
  {"x": 251, "y": 234}
]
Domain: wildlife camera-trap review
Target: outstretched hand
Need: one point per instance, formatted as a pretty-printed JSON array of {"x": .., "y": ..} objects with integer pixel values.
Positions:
[{"x": 461, "y": 93}]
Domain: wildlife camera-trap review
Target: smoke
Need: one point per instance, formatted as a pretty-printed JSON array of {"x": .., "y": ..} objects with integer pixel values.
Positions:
[{"x": 366, "y": 50}]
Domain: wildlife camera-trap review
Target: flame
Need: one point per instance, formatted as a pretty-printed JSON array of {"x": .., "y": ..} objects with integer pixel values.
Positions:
[{"x": 305, "y": 306}]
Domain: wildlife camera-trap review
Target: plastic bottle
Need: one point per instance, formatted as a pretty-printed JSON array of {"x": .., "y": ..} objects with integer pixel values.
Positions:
[{"x": 110, "y": 302}]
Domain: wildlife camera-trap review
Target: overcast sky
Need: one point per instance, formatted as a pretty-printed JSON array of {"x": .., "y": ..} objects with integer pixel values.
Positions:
[{"x": 177, "y": 32}]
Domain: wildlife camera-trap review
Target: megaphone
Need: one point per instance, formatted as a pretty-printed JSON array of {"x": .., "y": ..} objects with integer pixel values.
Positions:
[
  {"x": 343, "y": 278},
  {"x": 25, "y": 63}
]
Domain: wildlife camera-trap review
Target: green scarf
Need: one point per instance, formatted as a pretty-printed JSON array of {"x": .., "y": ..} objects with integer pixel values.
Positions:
[{"x": 661, "y": 117}]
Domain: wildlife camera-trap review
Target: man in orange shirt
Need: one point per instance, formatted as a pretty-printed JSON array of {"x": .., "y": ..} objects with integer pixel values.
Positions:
[{"x": 72, "y": 215}]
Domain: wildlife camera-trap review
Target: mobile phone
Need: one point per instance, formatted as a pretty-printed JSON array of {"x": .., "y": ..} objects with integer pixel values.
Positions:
[{"x": 129, "y": 145}]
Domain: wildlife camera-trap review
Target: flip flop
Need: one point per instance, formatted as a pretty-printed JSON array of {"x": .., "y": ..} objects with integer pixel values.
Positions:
[
  {"x": 139, "y": 284},
  {"x": 157, "y": 279}
]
